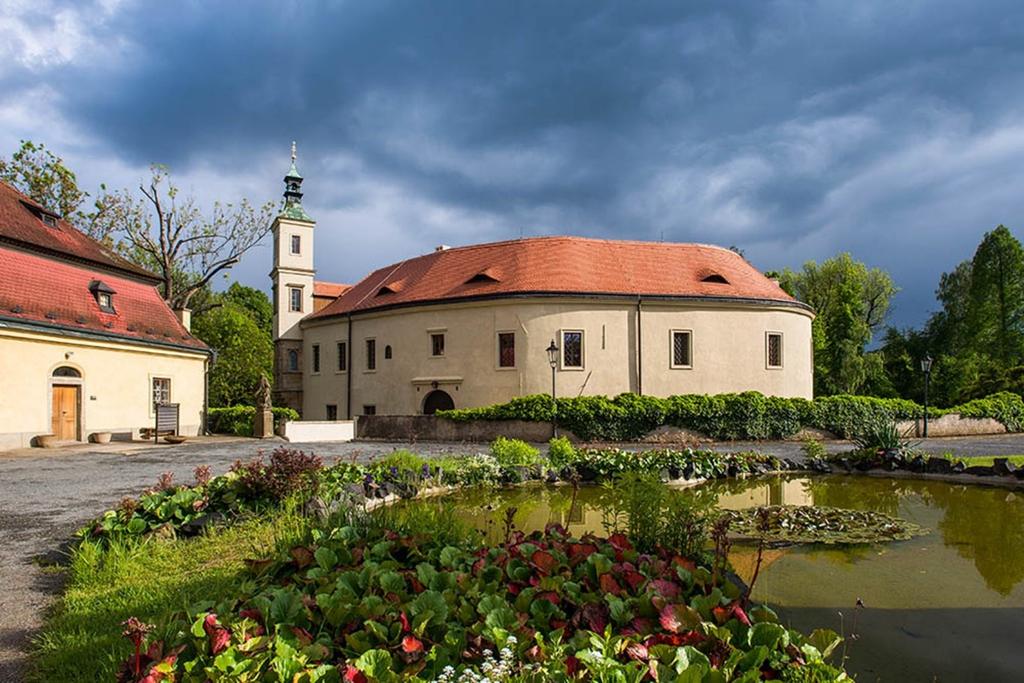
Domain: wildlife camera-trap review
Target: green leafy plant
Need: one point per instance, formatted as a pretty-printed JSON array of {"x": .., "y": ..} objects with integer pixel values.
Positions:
[
  {"x": 362, "y": 604},
  {"x": 813, "y": 449},
  {"x": 514, "y": 452},
  {"x": 560, "y": 452},
  {"x": 880, "y": 434}
]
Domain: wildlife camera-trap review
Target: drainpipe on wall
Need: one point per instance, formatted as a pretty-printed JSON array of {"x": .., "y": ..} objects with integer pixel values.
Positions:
[
  {"x": 639, "y": 347},
  {"x": 348, "y": 375},
  {"x": 205, "y": 428}
]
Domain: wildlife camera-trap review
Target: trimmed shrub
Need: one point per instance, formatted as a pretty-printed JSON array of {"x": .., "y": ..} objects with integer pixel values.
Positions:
[
  {"x": 749, "y": 415},
  {"x": 560, "y": 452},
  {"x": 237, "y": 420}
]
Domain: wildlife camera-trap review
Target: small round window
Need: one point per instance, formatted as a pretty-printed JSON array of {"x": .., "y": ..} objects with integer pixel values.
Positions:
[{"x": 66, "y": 371}]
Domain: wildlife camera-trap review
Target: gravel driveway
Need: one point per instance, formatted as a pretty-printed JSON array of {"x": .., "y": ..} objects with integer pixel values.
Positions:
[{"x": 45, "y": 496}]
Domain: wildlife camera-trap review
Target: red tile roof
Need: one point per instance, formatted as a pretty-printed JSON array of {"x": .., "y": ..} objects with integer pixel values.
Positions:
[
  {"x": 38, "y": 289},
  {"x": 331, "y": 289},
  {"x": 46, "y": 275},
  {"x": 20, "y": 223},
  {"x": 560, "y": 265}
]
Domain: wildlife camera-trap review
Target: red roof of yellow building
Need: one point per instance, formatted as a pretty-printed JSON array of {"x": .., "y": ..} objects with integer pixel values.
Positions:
[{"x": 550, "y": 266}]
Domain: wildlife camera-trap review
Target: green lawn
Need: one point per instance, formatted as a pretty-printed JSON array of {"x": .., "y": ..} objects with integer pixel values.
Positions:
[
  {"x": 82, "y": 639},
  {"x": 984, "y": 460}
]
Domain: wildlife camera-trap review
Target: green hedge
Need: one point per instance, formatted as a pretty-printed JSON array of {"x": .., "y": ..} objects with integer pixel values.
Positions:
[
  {"x": 238, "y": 420},
  {"x": 749, "y": 415}
]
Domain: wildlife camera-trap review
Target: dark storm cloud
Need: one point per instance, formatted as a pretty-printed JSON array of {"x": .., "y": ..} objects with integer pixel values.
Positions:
[{"x": 792, "y": 129}]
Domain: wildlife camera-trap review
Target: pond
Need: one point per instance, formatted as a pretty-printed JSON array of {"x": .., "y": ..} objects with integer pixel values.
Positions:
[{"x": 946, "y": 606}]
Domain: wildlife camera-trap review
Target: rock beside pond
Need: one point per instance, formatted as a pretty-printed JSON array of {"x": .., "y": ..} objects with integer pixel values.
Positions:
[
  {"x": 979, "y": 470},
  {"x": 1003, "y": 467},
  {"x": 917, "y": 464},
  {"x": 958, "y": 468},
  {"x": 938, "y": 466}
]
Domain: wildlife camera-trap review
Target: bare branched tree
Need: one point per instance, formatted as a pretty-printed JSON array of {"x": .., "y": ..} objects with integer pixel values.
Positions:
[{"x": 171, "y": 235}]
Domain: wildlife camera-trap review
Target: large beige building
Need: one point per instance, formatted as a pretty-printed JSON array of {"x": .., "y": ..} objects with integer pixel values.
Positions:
[
  {"x": 87, "y": 345},
  {"x": 471, "y": 326}
]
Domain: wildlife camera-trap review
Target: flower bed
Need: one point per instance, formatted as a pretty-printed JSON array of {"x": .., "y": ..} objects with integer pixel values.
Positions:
[{"x": 365, "y": 604}]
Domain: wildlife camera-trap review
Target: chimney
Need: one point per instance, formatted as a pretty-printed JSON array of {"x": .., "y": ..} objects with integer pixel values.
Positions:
[{"x": 184, "y": 316}]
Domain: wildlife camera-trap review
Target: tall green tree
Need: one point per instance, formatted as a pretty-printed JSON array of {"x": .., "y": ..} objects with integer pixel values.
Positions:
[
  {"x": 254, "y": 301},
  {"x": 996, "y": 295},
  {"x": 244, "y": 353},
  {"x": 851, "y": 302}
]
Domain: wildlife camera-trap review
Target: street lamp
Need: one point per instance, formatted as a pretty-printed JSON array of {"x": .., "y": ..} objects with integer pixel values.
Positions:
[
  {"x": 926, "y": 368},
  {"x": 553, "y": 362}
]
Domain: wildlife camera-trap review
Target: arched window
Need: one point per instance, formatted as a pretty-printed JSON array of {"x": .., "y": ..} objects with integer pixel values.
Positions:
[
  {"x": 387, "y": 352},
  {"x": 293, "y": 360},
  {"x": 66, "y": 371}
]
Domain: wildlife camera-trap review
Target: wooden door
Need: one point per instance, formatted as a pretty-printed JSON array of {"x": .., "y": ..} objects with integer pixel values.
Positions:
[{"x": 65, "y": 412}]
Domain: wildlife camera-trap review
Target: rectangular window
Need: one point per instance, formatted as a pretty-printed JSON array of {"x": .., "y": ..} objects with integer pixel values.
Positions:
[
  {"x": 332, "y": 411},
  {"x": 437, "y": 345},
  {"x": 296, "y": 244},
  {"x": 774, "y": 350},
  {"x": 295, "y": 299},
  {"x": 316, "y": 358},
  {"x": 369, "y": 410},
  {"x": 371, "y": 354},
  {"x": 506, "y": 349},
  {"x": 161, "y": 390},
  {"x": 572, "y": 349},
  {"x": 342, "y": 356},
  {"x": 681, "y": 348}
]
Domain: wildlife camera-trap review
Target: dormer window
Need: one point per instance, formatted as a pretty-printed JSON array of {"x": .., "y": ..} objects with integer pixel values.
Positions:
[
  {"x": 486, "y": 276},
  {"x": 715, "y": 278},
  {"x": 48, "y": 218},
  {"x": 104, "y": 295}
]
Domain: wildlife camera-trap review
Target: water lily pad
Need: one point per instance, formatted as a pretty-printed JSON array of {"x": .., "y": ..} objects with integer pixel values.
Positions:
[{"x": 816, "y": 524}]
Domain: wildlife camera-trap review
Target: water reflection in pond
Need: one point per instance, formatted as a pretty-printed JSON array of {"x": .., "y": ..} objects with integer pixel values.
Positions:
[{"x": 948, "y": 606}]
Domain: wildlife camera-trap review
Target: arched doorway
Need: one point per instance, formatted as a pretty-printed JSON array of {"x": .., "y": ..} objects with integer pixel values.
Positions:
[
  {"x": 437, "y": 400},
  {"x": 66, "y": 403}
]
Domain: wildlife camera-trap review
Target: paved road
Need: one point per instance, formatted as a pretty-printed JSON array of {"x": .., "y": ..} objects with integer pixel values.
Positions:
[{"x": 46, "y": 496}]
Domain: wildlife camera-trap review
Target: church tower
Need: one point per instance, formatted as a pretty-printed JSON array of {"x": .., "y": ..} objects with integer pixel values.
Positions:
[{"x": 292, "y": 279}]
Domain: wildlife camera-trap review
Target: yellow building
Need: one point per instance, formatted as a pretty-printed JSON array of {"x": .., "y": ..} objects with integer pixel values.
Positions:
[
  {"x": 87, "y": 344},
  {"x": 471, "y": 326}
]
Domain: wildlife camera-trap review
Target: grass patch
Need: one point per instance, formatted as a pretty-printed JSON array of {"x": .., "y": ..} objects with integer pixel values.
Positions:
[
  {"x": 982, "y": 460},
  {"x": 150, "y": 580}
]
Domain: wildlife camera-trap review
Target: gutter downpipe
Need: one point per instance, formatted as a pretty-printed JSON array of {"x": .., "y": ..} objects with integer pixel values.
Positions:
[
  {"x": 206, "y": 393},
  {"x": 348, "y": 375},
  {"x": 639, "y": 347}
]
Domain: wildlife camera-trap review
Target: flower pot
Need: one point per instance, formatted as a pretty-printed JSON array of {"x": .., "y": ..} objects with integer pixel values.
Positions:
[
  {"x": 100, "y": 437},
  {"x": 46, "y": 440},
  {"x": 175, "y": 439}
]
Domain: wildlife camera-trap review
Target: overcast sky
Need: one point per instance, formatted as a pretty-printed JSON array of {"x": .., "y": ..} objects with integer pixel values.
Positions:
[{"x": 793, "y": 130}]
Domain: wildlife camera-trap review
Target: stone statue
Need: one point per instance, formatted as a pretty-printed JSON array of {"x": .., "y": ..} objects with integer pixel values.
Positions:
[
  {"x": 263, "y": 394},
  {"x": 263, "y": 426}
]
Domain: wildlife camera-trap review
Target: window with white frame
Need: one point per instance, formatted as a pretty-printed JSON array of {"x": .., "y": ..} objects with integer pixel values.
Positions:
[
  {"x": 437, "y": 344},
  {"x": 295, "y": 299},
  {"x": 773, "y": 350},
  {"x": 682, "y": 349},
  {"x": 161, "y": 390},
  {"x": 572, "y": 348}
]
